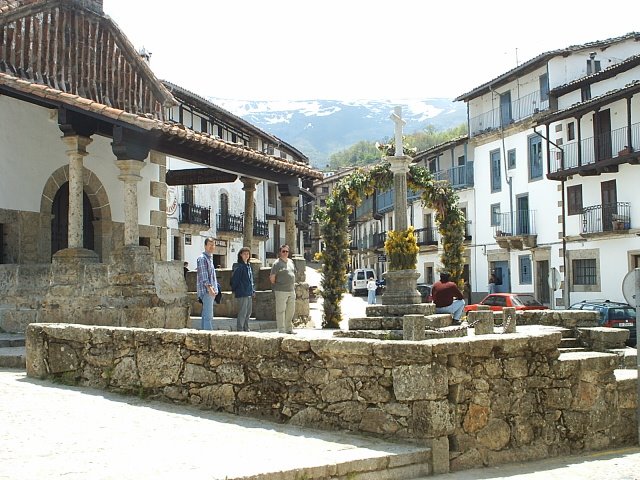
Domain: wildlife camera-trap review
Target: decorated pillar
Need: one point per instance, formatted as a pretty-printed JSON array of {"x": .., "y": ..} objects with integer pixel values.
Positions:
[
  {"x": 401, "y": 284},
  {"x": 130, "y": 175},
  {"x": 249, "y": 187},
  {"x": 289, "y": 204},
  {"x": 76, "y": 152},
  {"x": 399, "y": 167}
]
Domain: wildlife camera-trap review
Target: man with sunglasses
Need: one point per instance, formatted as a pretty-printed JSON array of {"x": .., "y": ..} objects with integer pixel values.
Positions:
[{"x": 283, "y": 280}]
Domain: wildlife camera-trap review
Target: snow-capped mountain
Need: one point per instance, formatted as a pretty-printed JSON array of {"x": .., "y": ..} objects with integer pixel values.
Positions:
[{"x": 319, "y": 128}]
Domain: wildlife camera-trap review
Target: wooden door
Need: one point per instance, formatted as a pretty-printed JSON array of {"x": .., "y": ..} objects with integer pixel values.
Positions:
[
  {"x": 602, "y": 135},
  {"x": 609, "y": 204},
  {"x": 60, "y": 220}
]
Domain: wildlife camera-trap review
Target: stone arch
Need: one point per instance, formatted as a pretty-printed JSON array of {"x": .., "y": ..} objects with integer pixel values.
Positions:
[{"x": 97, "y": 194}]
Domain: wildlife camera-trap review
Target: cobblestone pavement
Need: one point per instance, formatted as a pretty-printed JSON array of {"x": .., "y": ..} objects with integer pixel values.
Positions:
[
  {"x": 622, "y": 464},
  {"x": 51, "y": 431}
]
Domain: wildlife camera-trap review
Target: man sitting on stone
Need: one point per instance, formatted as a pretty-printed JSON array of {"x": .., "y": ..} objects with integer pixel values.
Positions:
[{"x": 448, "y": 297}]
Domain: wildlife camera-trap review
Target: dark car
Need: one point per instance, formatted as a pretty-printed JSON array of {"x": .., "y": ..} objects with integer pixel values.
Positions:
[
  {"x": 425, "y": 292},
  {"x": 612, "y": 314},
  {"x": 497, "y": 301}
]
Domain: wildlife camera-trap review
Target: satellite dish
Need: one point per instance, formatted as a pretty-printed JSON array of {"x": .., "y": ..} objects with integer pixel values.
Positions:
[{"x": 629, "y": 287}]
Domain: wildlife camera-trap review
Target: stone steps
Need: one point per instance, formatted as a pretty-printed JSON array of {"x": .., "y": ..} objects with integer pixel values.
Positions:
[
  {"x": 628, "y": 357},
  {"x": 12, "y": 351},
  {"x": 570, "y": 342},
  {"x": 395, "y": 322},
  {"x": 406, "y": 463}
]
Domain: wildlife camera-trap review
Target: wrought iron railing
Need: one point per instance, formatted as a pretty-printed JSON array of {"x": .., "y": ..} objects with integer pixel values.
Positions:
[
  {"x": 459, "y": 177},
  {"x": 195, "y": 214},
  {"x": 520, "y": 109},
  {"x": 608, "y": 145},
  {"x": 522, "y": 222},
  {"x": 606, "y": 217},
  {"x": 427, "y": 236},
  {"x": 230, "y": 223},
  {"x": 261, "y": 228},
  {"x": 379, "y": 239}
]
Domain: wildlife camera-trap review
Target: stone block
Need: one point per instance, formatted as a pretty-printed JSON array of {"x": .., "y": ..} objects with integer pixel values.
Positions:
[
  {"x": 16, "y": 321},
  {"x": 510, "y": 320},
  {"x": 365, "y": 323},
  {"x": 400, "y": 310},
  {"x": 439, "y": 320},
  {"x": 482, "y": 321},
  {"x": 420, "y": 382},
  {"x": 413, "y": 327},
  {"x": 158, "y": 189},
  {"x": 601, "y": 339}
]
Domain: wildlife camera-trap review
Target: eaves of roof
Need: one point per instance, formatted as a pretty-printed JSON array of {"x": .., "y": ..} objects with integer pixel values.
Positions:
[
  {"x": 538, "y": 61},
  {"x": 12, "y": 11},
  {"x": 591, "y": 104},
  {"x": 441, "y": 147},
  {"x": 170, "y": 131},
  {"x": 210, "y": 107},
  {"x": 608, "y": 72}
]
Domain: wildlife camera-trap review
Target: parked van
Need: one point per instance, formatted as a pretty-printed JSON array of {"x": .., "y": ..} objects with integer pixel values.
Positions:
[{"x": 360, "y": 278}]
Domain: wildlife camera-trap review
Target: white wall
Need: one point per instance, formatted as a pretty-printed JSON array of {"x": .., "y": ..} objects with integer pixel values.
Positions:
[{"x": 31, "y": 150}]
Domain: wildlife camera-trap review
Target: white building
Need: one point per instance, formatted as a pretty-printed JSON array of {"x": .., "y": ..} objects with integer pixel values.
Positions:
[{"x": 520, "y": 229}]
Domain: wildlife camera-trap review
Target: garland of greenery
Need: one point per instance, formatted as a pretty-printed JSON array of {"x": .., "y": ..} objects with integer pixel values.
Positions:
[{"x": 349, "y": 193}]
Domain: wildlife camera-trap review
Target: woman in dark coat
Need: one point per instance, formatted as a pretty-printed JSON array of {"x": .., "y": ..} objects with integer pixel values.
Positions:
[{"x": 243, "y": 288}]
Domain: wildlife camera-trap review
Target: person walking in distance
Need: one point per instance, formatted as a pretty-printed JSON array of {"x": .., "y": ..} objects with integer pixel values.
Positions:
[
  {"x": 283, "y": 278},
  {"x": 243, "y": 288},
  {"x": 448, "y": 297},
  {"x": 492, "y": 283},
  {"x": 207, "y": 283},
  {"x": 371, "y": 291}
]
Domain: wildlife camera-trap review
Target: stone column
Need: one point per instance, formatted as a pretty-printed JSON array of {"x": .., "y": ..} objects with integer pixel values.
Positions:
[
  {"x": 77, "y": 151},
  {"x": 130, "y": 175},
  {"x": 249, "y": 187},
  {"x": 289, "y": 204},
  {"x": 400, "y": 168}
]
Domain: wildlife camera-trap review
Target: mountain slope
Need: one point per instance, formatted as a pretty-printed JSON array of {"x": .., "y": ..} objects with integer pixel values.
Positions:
[{"x": 319, "y": 128}]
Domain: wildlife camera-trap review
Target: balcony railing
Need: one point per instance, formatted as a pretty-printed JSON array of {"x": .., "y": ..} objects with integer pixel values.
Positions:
[
  {"x": 230, "y": 223},
  {"x": 522, "y": 223},
  {"x": 379, "y": 239},
  {"x": 365, "y": 209},
  {"x": 520, "y": 109},
  {"x": 427, "y": 236},
  {"x": 195, "y": 214},
  {"x": 606, "y": 217},
  {"x": 458, "y": 177},
  {"x": 594, "y": 149},
  {"x": 260, "y": 228}
]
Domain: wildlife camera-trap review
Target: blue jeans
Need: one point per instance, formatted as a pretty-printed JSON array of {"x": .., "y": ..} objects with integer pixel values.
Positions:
[
  {"x": 207, "y": 312},
  {"x": 371, "y": 297},
  {"x": 455, "y": 309}
]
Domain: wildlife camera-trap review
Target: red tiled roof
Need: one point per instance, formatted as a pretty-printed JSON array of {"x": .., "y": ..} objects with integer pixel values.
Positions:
[{"x": 167, "y": 129}]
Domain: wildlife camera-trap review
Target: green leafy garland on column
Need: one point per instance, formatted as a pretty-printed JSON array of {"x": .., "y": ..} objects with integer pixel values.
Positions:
[{"x": 348, "y": 194}]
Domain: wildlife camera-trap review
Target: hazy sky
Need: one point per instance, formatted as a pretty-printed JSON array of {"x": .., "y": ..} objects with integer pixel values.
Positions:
[{"x": 355, "y": 49}]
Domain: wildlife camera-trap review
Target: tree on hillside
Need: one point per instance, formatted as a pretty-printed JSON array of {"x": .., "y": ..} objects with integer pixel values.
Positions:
[{"x": 366, "y": 153}]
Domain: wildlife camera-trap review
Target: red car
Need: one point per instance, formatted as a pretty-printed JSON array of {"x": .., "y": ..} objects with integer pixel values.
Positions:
[{"x": 521, "y": 301}]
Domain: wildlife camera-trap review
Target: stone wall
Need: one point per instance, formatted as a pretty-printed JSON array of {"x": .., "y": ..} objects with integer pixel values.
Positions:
[
  {"x": 127, "y": 292},
  {"x": 264, "y": 307},
  {"x": 477, "y": 401}
]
